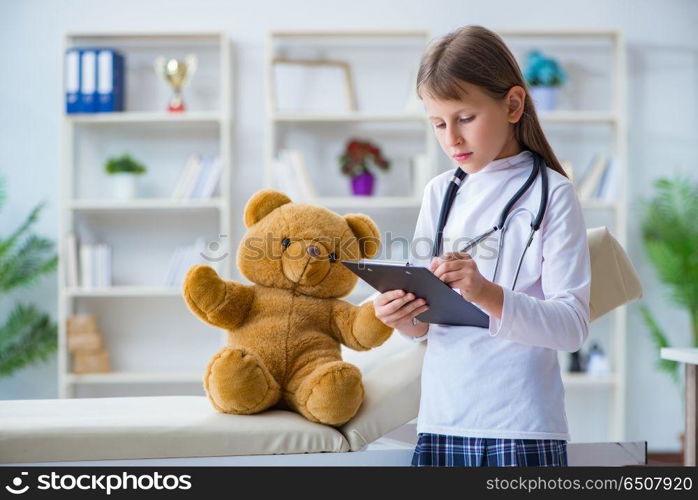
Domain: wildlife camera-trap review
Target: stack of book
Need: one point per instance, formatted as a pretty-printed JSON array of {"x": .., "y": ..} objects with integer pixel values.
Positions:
[
  {"x": 599, "y": 180},
  {"x": 183, "y": 259},
  {"x": 199, "y": 177},
  {"x": 291, "y": 176},
  {"x": 94, "y": 80},
  {"x": 88, "y": 266},
  {"x": 86, "y": 345}
]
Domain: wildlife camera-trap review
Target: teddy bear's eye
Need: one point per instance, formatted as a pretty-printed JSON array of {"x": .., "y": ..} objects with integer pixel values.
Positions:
[
  {"x": 286, "y": 242},
  {"x": 333, "y": 257}
]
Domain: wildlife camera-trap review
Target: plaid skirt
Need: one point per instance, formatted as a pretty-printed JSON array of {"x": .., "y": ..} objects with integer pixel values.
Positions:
[{"x": 456, "y": 451}]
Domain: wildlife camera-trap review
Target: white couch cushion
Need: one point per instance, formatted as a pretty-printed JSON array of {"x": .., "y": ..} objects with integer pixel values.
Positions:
[{"x": 151, "y": 427}]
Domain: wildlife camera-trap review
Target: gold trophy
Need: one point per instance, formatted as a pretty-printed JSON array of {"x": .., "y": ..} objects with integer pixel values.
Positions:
[{"x": 177, "y": 73}]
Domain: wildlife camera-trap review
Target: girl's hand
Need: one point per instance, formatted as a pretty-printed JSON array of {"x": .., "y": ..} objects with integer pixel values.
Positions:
[
  {"x": 396, "y": 308},
  {"x": 458, "y": 270}
]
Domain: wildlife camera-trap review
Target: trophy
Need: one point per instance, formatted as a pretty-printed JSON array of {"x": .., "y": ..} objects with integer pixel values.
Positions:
[{"x": 177, "y": 73}]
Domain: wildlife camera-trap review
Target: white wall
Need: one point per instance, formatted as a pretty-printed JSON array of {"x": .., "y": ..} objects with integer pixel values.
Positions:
[{"x": 663, "y": 121}]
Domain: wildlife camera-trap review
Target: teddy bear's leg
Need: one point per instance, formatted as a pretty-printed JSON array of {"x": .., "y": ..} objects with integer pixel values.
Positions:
[
  {"x": 237, "y": 381},
  {"x": 330, "y": 394}
]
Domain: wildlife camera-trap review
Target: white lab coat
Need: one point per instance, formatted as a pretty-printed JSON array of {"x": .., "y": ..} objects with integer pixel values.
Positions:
[{"x": 505, "y": 382}]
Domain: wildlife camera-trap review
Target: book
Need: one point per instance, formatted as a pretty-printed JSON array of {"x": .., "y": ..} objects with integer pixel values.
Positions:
[
  {"x": 88, "y": 81},
  {"x": 608, "y": 186},
  {"x": 72, "y": 81},
  {"x": 110, "y": 81},
  {"x": 589, "y": 183},
  {"x": 86, "y": 266},
  {"x": 212, "y": 179},
  {"x": 186, "y": 177},
  {"x": 71, "y": 264}
]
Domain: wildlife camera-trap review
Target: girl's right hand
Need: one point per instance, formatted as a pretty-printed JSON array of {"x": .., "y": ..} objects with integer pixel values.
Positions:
[{"x": 396, "y": 308}]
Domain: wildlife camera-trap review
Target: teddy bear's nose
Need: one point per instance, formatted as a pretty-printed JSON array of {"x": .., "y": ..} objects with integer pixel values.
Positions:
[{"x": 313, "y": 251}]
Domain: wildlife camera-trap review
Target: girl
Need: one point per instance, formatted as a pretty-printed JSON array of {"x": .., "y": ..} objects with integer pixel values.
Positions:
[{"x": 494, "y": 396}]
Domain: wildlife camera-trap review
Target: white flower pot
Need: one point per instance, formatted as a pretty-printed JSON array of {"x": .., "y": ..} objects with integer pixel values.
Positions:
[
  {"x": 124, "y": 186},
  {"x": 545, "y": 98}
]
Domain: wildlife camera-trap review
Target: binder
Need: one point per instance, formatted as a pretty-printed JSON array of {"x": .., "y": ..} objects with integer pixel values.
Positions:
[
  {"x": 446, "y": 306},
  {"x": 110, "y": 81},
  {"x": 88, "y": 81},
  {"x": 72, "y": 81}
]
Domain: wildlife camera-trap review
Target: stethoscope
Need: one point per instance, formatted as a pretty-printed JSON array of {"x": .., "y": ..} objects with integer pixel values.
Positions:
[{"x": 455, "y": 182}]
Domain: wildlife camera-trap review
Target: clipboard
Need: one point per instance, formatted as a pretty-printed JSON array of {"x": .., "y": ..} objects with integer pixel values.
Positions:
[{"x": 446, "y": 306}]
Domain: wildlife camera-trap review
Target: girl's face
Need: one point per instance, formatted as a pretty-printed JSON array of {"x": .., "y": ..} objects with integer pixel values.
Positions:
[{"x": 476, "y": 124}]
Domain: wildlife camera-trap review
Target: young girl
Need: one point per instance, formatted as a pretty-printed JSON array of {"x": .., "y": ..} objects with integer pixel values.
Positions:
[{"x": 494, "y": 396}]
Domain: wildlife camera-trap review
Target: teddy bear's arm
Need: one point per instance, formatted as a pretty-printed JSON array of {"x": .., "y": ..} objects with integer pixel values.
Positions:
[
  {"x": 223, "y": 304},
  {"x": 357, "y": 326}
]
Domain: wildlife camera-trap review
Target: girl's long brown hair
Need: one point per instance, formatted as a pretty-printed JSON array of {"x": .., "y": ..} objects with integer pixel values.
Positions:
[{"x": 478, "y": 56}]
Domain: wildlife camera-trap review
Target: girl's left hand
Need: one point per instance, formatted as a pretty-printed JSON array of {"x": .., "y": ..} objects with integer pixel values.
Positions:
[{"x": 458, "y": 270}]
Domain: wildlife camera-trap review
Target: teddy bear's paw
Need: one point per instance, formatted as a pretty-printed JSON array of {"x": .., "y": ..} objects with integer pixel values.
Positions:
[
  {"x": 204, "y": 290},
  {"x": 369, "y": 331},
  {"x": 332, "y": 393},
  {"x": 237, "y": 382}
]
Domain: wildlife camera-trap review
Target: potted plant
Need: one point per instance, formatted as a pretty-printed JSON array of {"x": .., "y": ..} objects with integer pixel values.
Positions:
[
  {"x": 355, "y": 162},
  {"x": 544, "y": 77},
  {"x": 670, "y": 237},
  {"x": 124, "y": 171},
  {"x": 27, "y": 334}
]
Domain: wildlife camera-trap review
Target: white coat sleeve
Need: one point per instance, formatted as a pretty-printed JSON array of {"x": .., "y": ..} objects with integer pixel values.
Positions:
[
  {"x": 561, "y": 320},
  {"x": 424, "y": 234}
]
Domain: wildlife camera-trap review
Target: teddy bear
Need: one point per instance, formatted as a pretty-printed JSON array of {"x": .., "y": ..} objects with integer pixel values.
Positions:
[{"x": 284, "y": 330}]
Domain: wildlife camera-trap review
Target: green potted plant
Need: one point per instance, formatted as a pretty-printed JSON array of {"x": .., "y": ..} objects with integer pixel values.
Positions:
[
  {"x": 670, "y": 237},
  {"x": 124, "y": 171},
  {"x": 358, "y": 156},
  {"x": 544, "y": 77},
  {"x": 27, "y": 334}
]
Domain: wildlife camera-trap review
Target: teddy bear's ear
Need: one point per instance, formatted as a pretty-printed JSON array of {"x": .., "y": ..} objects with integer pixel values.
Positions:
[
  {"x": 366, "y": 232},
  {"x": 262, "y": 203}
]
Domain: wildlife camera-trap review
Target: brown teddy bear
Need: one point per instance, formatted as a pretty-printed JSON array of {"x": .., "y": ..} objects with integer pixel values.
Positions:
[{"x": 285, "y": 330}]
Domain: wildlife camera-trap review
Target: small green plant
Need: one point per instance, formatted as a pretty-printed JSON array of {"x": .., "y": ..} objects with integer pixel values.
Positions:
[
  {"x": 123, "y": 164},
  {"x": 357, "y": 157},
  {"x": 27, "y": 334},
  {"x": 670, "y": 236},
  {"x": 542, "y": 71}
]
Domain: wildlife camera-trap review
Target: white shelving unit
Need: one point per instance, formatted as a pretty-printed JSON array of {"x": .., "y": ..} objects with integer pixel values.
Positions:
[
  {"x": 340, "y": 44},
  {"x": 142, "y": 319},
  {"x": 607, "y": 45}
]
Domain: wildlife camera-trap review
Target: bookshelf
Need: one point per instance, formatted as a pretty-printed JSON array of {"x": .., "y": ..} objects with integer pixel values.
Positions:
[
  {"x": 151, "y": 336},
  {"x": 592, "y": 116}
]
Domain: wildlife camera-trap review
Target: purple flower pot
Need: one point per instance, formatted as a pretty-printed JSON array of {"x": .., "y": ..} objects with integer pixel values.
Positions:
[{"x": 362, "y": 185}]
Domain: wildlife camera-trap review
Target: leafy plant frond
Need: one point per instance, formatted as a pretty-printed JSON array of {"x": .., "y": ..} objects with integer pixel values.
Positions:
[
  {"x": 27, "y": 336},
  {"x": 31, "y": 260},
  {"x": 660, "y": 340},
  {"x": 7, "y": 244}
]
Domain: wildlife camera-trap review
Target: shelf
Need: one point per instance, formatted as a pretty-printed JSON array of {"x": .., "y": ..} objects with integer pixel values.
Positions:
[
  {"x": 145, "y": 204},
  {"x": 591, "y": 117},
  {"x": 347, "y": 117},
  {"x": 586, "y": 380},
  {"x": 599, "y": 205},
  {"x": 134, "y": 377},
  {"x": 125, "y": 291},
  {"x": 560, "y": 116},
  {"x": 367, "y": 202},
  {"x": 146, "y": 117}
]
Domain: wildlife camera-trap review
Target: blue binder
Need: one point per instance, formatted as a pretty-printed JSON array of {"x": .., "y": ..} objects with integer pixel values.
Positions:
[
  {"x": 72, "y": 81},
  {"x": 110, "y": 81},
  {"x": 88, "y": 81}
]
